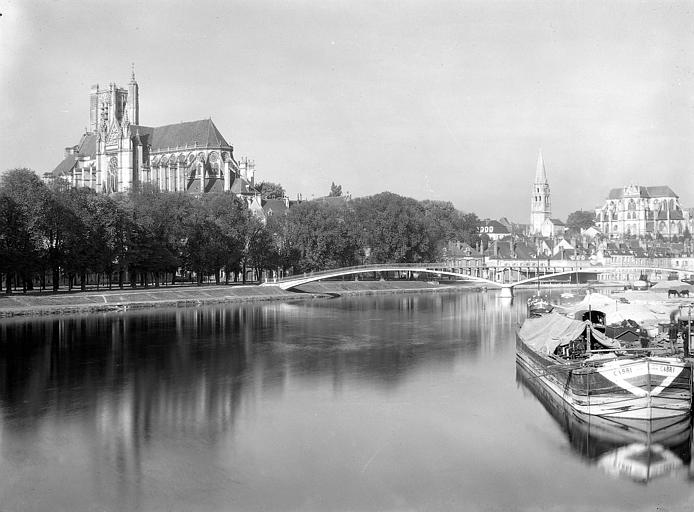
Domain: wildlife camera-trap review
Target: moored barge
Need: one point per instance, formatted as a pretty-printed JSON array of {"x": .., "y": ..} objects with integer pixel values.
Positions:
[{"x": 595, "y": 375}]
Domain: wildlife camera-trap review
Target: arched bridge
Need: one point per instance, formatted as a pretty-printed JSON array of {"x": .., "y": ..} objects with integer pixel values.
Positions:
[{"x": 504, "y": 277}]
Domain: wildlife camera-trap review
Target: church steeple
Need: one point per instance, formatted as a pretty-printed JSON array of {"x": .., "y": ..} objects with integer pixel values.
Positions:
[
  {"x": 540, "y": 173},
  {"x": 540, "y": 204},
  {"x": 133, "y": 98}
]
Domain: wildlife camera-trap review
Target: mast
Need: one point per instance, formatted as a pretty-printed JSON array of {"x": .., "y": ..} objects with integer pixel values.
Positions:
[{"x": 590, "y": 326}]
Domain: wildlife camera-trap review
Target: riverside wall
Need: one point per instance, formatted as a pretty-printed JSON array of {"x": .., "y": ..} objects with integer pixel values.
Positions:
[{"x": 65, "y": 303}]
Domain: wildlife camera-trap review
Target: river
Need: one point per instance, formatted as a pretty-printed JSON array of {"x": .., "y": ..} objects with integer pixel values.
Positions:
[{"x": 372, "y": 403}]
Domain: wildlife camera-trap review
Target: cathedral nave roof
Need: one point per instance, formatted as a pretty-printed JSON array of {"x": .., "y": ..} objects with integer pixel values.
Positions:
[
  {"x": 644, "y": 192},
  {"x": 200, "y": 134}
]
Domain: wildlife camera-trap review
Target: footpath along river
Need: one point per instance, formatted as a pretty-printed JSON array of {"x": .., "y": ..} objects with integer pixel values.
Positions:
[{"x": 392, "y": 402}]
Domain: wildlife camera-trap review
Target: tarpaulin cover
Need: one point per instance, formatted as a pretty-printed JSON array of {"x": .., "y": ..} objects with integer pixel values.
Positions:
[
  {"x": 594, "y": 301},
  {"x": 544, "y": 334},
  {"x": 615, "y": 311},
  {"x": 664, "y": 286}
]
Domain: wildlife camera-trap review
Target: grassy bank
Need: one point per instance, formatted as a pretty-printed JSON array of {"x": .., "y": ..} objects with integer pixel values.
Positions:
[
  {"x": 119, "y": 300},
  {"x": 189, "y": 296}
]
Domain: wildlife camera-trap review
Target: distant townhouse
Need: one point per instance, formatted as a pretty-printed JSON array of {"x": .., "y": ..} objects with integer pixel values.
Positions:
[{"x": 494, "y": 229}]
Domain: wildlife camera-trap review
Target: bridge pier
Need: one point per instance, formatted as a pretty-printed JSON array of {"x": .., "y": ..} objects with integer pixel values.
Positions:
[{"x": 506, "y": 292}]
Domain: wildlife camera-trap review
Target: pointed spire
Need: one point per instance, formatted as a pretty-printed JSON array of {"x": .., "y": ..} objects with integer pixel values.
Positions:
[
  {"x": 540, "y": 174},
  {"x": 132, "y": 72}
]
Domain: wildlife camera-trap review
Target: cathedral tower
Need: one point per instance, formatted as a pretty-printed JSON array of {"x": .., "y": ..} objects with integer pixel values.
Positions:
[
  {"x": 540, "y": 206},
  {"x": 133, "y": 100}
]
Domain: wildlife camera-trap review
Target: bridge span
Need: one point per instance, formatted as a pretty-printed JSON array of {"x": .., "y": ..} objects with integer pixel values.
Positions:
[{"x": 503, "y": 277}]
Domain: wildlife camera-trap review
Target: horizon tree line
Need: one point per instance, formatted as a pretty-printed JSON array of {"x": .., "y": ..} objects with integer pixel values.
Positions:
[{"x": 147, "y": 237}]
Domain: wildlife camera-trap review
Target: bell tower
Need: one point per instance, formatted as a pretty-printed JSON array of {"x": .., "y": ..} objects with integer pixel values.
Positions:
[{"x": 540, "y": 205}]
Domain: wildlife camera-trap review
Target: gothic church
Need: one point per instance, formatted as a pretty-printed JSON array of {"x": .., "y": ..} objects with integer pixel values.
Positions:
[{"x": 117, "y": 153}]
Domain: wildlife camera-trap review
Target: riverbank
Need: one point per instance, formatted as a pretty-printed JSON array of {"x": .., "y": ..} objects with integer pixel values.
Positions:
[{"x": 65, "y": 303}]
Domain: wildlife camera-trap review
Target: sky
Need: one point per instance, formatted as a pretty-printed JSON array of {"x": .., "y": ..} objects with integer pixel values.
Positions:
[{"x": 442, "y": 100}]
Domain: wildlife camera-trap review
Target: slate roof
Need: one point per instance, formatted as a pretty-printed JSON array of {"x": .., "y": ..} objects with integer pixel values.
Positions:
[
  {"x": 203, "y": 132},
  {"x": 645, "y": 192},
  {"x": 85, "y": 148},
  {"x": 458, "y": 249},
  {"x": 242, "y": 186},
  {"x": 65, "y": 166},
  {"x": 499, "y": 228}
]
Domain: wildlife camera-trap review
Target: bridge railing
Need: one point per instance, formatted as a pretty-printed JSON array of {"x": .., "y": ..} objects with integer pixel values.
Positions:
[
  {"x": 376, "y": 267},
  {"x": 492, "y": 269}
]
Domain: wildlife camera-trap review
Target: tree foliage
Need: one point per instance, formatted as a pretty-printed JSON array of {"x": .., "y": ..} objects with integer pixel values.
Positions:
[
  {"x": 580, "y": 219},
  {"x": 335, "y": 190},
  {"x": 270, "y": 190},
  {"x": 148, "y": 237}
]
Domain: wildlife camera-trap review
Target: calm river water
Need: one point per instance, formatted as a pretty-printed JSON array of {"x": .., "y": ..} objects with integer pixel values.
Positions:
[{"x": 388, "y": 403}]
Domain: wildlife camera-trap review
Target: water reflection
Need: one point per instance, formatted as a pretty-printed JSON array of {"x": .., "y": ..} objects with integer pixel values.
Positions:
[
  {"x": 186, "y": 365},
  {"x": 126, "y": 410},
  {"x": 639, "y": 450},
  {"x": 189, "y": 370}
]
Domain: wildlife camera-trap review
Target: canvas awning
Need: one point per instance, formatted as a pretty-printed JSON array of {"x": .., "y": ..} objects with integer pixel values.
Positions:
[{"x": 546, "y": 333}]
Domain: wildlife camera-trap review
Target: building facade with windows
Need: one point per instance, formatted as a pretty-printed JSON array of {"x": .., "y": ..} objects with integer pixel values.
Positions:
[
  {"x": 117, "y": 153},
  {"x": 642, "y": 212}
]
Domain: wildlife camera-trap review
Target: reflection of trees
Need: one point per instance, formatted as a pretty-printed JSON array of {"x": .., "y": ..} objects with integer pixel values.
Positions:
[
  {"x": 126, "y": 379},
  {"x": 173, "y": 364},
  {"x": 183, "y": 367}
]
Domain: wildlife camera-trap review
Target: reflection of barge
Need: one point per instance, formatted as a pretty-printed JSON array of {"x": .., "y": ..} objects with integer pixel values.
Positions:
[
  {"x": 640, "y": 450},
  {"x": 593, "y": 373}
]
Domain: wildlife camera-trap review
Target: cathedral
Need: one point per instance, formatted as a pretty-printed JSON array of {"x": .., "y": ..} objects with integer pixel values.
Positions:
[
  {"x": 117, "y": 153},
  {"x": 642, "y": 212}
]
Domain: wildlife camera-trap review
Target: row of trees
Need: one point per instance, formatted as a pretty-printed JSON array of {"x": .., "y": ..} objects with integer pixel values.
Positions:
[{"x": 149, "y": 236}]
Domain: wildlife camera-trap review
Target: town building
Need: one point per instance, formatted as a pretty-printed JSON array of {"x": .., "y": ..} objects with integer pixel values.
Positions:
[
  {"x": 552, "y": 228},
  {"x": 540, "y": 204},
  {"x": 117, "y": 153},
  {"x": 640, "y": 211},
  {"x": 494, "y": 229}
]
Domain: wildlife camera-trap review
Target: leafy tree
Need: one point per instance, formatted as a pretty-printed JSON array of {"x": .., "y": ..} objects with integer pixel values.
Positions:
[
  {"x": 335, "y": 190},
  {"x": 262, "y": 251},
  {"x": 30, "y": 195},
  {"x": 13, "y": 238},
  {"x": 155, "y": 234},
  {"x": 69, "y": 227},
  {"x": 231, "y": 216},
  {"x": 287, "y": 250},
  {"x": 269, "y": 190},
  {"x": 579, "y": 220},
  {"x": 394, "y": 228},
  {"x": 323, "y": 235}
]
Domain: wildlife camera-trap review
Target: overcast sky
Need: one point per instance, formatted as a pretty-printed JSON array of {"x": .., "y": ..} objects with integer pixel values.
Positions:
[{"x": 428, "y": 99}]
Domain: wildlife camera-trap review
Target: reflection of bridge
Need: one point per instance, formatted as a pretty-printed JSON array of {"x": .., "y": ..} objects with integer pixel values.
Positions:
[{"x": 504, "y": 277}]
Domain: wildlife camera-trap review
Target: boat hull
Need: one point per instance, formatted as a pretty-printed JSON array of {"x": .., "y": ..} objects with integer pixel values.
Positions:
[
  {"x": 637, "y": 449},
  {"x": 641, "y": 388}
]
